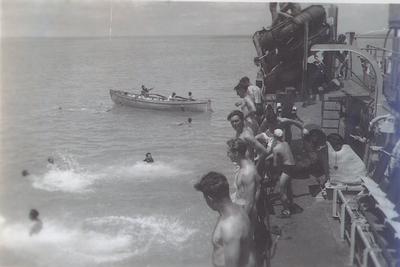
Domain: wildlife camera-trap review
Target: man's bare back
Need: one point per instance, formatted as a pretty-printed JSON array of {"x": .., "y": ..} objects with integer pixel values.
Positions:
[
  {"x": 233, "y": 233},
  {"x": 284, "y": 154},
  {"x": 247, "y": 184},
  {"x": 232, "y": 238}
]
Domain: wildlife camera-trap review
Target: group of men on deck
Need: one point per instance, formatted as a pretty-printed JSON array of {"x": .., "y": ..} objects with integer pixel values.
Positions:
[{"x": 242, "y": 234}]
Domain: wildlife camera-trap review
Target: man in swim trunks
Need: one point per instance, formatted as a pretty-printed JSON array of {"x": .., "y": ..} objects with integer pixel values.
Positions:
[
  {"x": 232, "y": 237},
  {"x": 247, "y": 184},
  {"x": 285, "y": 165}
]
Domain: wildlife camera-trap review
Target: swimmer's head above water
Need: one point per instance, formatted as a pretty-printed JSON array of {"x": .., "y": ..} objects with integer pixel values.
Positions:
[{"x": 33, "y": 214}]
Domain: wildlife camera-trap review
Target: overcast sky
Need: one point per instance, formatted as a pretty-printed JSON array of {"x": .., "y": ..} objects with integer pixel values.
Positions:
[{"x": 129, "y": 18}]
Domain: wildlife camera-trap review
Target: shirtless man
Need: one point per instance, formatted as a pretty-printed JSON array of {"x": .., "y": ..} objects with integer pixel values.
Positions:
[
  {"x": 247, "y": 106},
  {"x": 244, "y": 132},
  {"x": 277, "y": 122},
  {"x": 247, "y": 184},
  {"x": 247, "y": 180},
  {"x": 232, "y": 237},
  {"x": 284, "y": 163},
  {"x": 255, "y": 94}
]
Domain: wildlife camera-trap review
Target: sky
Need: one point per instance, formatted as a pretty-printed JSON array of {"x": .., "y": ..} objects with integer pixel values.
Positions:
[{"x": 92, "y": 18}]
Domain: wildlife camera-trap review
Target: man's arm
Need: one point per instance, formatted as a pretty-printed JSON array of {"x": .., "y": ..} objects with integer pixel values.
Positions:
[
  {"x": 255, "y": 143},
  {"x": 275, "y": 153},
  {"x": 263, "y": 127},
  {"x": 247, "y": 188},
  {"x": 293, "y": 122},
  {"x": 251, "y": 107}
]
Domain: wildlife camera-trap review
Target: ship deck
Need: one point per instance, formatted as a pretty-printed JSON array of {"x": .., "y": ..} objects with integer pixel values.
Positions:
[{"x": 311, "y": 237}]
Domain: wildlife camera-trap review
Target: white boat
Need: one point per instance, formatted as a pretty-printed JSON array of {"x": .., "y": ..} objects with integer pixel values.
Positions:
[{"x": 159, "y": 102}]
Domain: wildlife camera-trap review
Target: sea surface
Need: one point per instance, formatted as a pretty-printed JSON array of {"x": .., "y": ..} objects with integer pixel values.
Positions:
[{"x": 100, "y": 204}]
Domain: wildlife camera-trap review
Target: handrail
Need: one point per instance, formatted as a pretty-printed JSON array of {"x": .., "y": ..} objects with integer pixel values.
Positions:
[
  {"x": 374, "y": 64},
  {"x": 372, "y": 47}
]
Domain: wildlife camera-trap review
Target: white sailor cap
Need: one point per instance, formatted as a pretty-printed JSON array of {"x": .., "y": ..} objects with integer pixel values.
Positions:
[{"x": 278, "y": 133}]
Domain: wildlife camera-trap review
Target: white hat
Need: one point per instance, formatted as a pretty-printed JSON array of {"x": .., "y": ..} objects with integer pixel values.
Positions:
[{"x": 278, "y": 133}]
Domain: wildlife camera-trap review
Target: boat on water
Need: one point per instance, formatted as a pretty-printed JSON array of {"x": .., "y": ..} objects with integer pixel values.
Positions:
[{"x": 159, "y": 102}]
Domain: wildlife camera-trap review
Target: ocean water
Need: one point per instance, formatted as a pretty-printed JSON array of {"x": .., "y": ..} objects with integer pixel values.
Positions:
[{"x": 99, "y": 203}]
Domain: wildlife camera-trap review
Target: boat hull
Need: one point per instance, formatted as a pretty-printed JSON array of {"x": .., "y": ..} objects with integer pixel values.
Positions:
[{"x": 156, "y": 103}]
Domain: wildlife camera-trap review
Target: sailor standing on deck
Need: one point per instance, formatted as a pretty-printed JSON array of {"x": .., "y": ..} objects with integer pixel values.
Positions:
[
  {"x": 244, "y": 132},
  {"x": 247, "y": 195},
  {"x": 256, "y": 95},
  {"x": 232, "y": 238},
  {"x": 285, "y": 165},
  {"x": 247, "y": 106}
]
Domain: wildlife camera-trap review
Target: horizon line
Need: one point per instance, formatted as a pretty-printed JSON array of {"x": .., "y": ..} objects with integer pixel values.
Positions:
[{"x": 129, "y": 36}]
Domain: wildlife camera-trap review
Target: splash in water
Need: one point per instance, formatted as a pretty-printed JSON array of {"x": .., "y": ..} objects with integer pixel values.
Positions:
[
  {"x": 143, "y": 170},
  {"x": 65, "y": 176},
  {"x": 96, "y": 241},
  {"x": 147, "y": 232}
]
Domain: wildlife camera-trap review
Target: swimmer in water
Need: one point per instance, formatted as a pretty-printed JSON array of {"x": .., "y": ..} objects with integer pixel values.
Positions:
[
  {"x": 188, "y": 122},
  {"x": 149, "y": 158},
  {"x": 37, "y": 223},
  {"x": 50, "y": 160},
  {"x": 25, "y": 173}
]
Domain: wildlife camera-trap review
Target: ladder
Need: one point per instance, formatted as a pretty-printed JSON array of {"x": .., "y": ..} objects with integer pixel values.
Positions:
[{"x": 331, "y": 109}]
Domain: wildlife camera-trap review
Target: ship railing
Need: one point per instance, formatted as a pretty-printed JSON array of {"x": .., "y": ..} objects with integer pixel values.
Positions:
[{"x": 359, "y": 70}]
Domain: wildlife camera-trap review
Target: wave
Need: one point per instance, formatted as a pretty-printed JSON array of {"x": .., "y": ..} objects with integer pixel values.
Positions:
[
  {"x": 145, "y": 171},
  {"x": 101, "y": 108},
  {"x": 147, "y": 232},
  {"x": 96, "y": 240},
  {"x": 66, "y": 175}
]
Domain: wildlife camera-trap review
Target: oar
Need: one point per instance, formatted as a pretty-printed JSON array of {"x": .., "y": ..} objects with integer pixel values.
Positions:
[{"x": 181, "y": 97}]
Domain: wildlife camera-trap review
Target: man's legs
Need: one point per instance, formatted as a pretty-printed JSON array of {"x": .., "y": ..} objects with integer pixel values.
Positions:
[{"x": 284, "y": 180}]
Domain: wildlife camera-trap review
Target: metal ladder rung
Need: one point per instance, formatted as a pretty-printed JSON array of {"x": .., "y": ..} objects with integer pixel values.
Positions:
[
  {"x": 331, "y": 109},
  {"x": 331, "y": 119},
  {"x": 326, "y": 127}
]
